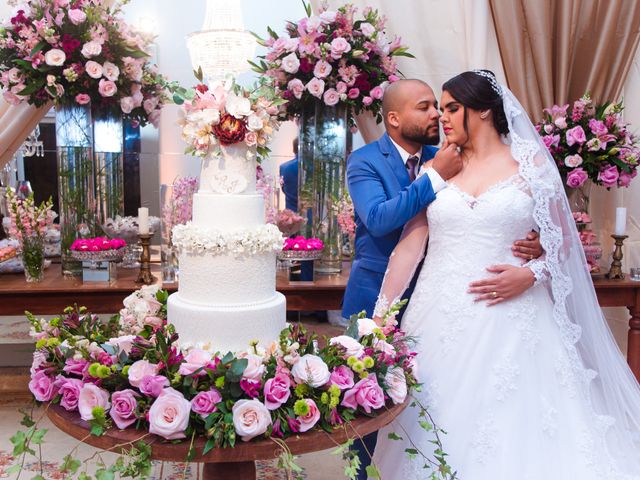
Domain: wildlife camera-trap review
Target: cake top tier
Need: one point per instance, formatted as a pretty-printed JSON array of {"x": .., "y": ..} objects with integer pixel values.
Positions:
[{"x": 231, "y": 171}]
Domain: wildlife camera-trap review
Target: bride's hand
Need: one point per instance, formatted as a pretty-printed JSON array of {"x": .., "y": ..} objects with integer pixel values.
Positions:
[{"x": 509, "y": 281}]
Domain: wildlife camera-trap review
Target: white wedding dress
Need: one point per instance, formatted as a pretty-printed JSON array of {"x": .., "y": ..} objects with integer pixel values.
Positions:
[{"x": 523, "y": 392}]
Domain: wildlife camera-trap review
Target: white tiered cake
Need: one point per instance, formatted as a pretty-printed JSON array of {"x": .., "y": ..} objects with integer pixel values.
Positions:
[{"x": 227, "y": 296}]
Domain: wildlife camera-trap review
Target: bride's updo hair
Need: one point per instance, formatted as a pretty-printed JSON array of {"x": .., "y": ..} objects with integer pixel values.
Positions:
[{"x": 479, "y": 90}]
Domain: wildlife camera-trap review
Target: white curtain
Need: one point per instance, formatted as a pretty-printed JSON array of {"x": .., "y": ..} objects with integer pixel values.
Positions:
[
  {"x": 16, "y": 123},
  {"x": 446, "y": 38}
]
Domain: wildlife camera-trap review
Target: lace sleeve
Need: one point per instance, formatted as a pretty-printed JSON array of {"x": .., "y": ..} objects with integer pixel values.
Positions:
[
  {"x": 539, "y": 268},
  {"x": 403, "y": 263}
]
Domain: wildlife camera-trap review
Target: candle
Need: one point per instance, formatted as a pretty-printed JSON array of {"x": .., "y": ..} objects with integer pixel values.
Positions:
[
  {"x": 621, "y": 220},
  {"x": 143, "y": 221}
]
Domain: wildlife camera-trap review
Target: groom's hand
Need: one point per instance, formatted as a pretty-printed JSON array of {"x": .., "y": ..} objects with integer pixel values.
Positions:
[
  {"x": 528, "y": 248},
  {"x": 509, "y": 281},
  {"x": 448, "y": 161}
]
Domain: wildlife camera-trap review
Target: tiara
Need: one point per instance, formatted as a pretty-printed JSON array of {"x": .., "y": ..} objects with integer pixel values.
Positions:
[{"x": 492, "y": 79}]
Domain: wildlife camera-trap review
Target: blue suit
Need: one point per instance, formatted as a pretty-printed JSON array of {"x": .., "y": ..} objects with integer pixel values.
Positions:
[
  {"x": 384, "y": 199},
  {"x": 289, "y": 174}
]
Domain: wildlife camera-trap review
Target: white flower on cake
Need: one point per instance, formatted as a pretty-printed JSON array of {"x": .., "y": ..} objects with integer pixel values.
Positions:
[
  {"x": 238, "y": 106},
  {"x": 195, "y": 239}
]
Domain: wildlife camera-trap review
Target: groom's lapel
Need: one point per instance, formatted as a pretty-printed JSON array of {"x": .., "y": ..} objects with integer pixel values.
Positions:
[{"x": 394, "y": 160}]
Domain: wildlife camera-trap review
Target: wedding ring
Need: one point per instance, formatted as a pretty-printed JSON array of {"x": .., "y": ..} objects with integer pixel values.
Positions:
[{"x": 494, "y": 294}]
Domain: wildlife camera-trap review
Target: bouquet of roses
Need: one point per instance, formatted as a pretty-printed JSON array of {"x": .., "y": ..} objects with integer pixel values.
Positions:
[
  {"x": 78, "y": 52},
  {"x": 591, "y": 142},
  {"x": 338, "y": 57},
  {"x": 227, "y": 114}
]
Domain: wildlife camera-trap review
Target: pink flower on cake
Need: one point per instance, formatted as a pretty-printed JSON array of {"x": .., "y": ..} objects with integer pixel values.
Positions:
[
  {"x": 169, "y": 415},
  {"x": 339, "y": 46},
  {"x": 277, "y": 391},
  {"x": 92, "y": 396},
  {"x": 296, "y": 87},
  {"x": 255, "y": 368},
  {"x": 76, "y": 16},
  {"x": 250, "y": 418},
  {"x": 111, "y": 71},
  {"x": 308, "y": 421},
  {"x": 42, "y": 386},
  {"x": 366, "y": 326},
  {"x": 123, "y": 408},
  {"x": 291, "y": 63},
  {"x": 366, "y": 394},
  {"x": 311, "y": 370},
  {"x": 322, "y": 69},
  {"x": 91, "y": 49},
  {"x": 204, "y": 403},
  {"x": 139, "y": 370}
]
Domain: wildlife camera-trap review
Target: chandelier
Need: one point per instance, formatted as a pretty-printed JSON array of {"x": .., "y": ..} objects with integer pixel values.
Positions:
[
  {"x": 33, "y": 145},
  {"x": 223, "y": 46}
]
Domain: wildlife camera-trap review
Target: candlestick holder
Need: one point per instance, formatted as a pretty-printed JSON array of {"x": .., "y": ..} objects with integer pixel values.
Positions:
[
  {"x": 145, "y": 276},
  {"x": 615, "y": 272}
]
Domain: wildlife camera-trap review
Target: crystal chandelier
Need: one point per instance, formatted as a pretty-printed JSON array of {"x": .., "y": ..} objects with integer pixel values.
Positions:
[
  {"x": 33, "y": 145},
  {"x": 223, "y": 46}
]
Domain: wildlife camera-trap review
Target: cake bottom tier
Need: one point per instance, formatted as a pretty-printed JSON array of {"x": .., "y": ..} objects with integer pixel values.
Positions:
[{"x": 227, "y": 328}]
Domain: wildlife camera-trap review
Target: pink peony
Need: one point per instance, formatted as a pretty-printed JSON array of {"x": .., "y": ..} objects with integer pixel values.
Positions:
[
  {"x": 331, "y": 97},
  {"x": 277, "y": 391},
  {"x": 70, "y": 391},
  {"x": 312, "y": 370},
  {"x": 123, "y": 408},
  {"x": 250, "y": 418},
  {"x": 366, "y": 394},
  {"x": 609, "y": 176},
  {"x": 139, "y": 370},
  {"x": 196, "y": 359},
  {"x": 107, "y": 88},
  {"x": 76, "y": 16},
  {"x": 576, "y": 135},
  {"x": 169, "y": 415},
  {"x": 204, "y": 403},
  {"x": 577, "y": 177},
  {"x": 311, "y": 418},
  {"x": 342, "y": 377},
  {"x": 92, "y": 396},
  {"x": 152, "y": 385},
  {"x": 42, "y": 387},
  {"x": 315, "y": 87}
]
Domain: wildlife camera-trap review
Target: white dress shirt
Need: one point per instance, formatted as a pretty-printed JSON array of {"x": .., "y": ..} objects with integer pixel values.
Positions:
[{"x": 436, "y": 180}]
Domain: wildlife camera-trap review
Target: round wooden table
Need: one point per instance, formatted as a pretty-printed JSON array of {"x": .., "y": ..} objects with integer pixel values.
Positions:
[{"x": 237, "y": 463}]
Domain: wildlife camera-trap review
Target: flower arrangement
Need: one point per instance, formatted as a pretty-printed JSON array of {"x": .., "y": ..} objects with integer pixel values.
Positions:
[
  {"x": 77, "y": 52},
  {"x": 227, "y": 114},
  {"x": 197, "y": 239},
  {"x": 289, "y": 222},
  {"x": 129, "y": 372},
  {"x": 97, "y": 244},
  {"x": 178, "y": 210},
  {"x": 591, "y": 142},
  {"x": 265, "y": 185},
  {"x": 337, "y": 57},
  {"x": 303, "y": 244},
  {"x": 346, "y": 216}
]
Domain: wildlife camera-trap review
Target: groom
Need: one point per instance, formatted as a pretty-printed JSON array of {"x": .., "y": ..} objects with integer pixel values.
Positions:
[{"x": 386, "y": 194}]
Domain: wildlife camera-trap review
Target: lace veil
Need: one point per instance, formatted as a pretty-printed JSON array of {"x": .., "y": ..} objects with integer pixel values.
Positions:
[{"x": 596, "y": 363}]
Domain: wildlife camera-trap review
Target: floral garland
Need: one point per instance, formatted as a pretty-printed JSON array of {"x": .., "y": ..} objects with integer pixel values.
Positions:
[{"x": 196, "y": 239}]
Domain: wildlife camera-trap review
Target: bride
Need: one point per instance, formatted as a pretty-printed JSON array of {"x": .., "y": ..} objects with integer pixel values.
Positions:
[{"x": 528, "y": 386}]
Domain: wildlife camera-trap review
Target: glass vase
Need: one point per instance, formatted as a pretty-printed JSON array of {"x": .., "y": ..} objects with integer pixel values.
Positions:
[
  {"x": 168, "y": 256},
  {"x": 76, "y": 184},
  {"x": 322, "y": 152},
  {"x": 579, "y": 197},
  {"x": 32, "y": 253},
  {"x": 108, "y": 165}
]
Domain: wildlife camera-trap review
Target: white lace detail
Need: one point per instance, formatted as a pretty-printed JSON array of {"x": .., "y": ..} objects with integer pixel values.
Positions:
[
  {"x": 484, "y": 442},
  {"x": 505, "y": 375}
]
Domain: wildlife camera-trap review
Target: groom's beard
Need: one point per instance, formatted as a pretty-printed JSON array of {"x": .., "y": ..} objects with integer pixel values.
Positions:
[{"x": 418, "y": 135}]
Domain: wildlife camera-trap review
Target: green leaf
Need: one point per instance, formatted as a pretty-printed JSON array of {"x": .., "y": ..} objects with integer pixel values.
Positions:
[
  {"x": 394, "y": 436},
  {"x": 84, "y": 476},
  {"x": 14, "y": 469},
  {"x": 208, "y": 446},
  {"x": 24, "y": 64},
  {"x": 273, "y": 34},
  {"x": 38, "y": 435},
  {"x": 105, "y": 474},
  {"x": 31, "y": 88},
  {"x": 27, "y": 421},
  {"x": 227, "y": 358},
  {"x": 97, "y": 430},
  {"x": 38, "y": 47},
  {"x": 372, "y": 472},
  {"x": 238, "y": 366},
  {"x": 38, "y": 477},
  {"x": 70, "y": 465},
  {"x": 177, "y": 99}
]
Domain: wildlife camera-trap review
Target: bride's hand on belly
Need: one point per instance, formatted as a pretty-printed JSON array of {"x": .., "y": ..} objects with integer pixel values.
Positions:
[{"x": 508, "y": 282}]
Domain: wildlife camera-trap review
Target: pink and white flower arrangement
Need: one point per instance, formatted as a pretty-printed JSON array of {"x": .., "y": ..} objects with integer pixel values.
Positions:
[
  {"x": 301, "y": 243},
  {"x": 590, "y": 142},
  {"x": 77, "y": 53},
  {"x": 336, "y": 57},
  {"x": 97, "y": 244},
  {"x": 26, "y": 219},
  {"x": 289, "y": 222}
]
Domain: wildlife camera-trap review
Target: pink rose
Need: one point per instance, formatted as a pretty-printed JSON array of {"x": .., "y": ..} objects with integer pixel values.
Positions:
[
  {"x": 342, "y": 377},
  {"x": 609, "y": 176},
  {"x": 122, "y": 344},
  {"x": 322, "y": 69},
  {"x": 91, "y": 49},
  {"x": 139, "y": 370},
  {"x": 126, "y": 104},
  {"x": 55, "y": 57},
  {"x": 296, "y": 87},
  {"x": 75, "y": 367},
  {"x": 11, "y": 98},
  {"x": 250, "y": 418},
  {"x": 312, "y": 370},
  {"x": 560, "y": 122},
  {"x": 625, "y": 178},
  {"x": 150, "y": 104},
  {"x": 42, "y": 387},
  {"x": 76, "y": 16},
  {"x": 367, "y": 29},
  {"x": 251, "y": 139},
  {"x": 331, "y": 97},
  {"x": 366, "y": 101},
  {"x": 169, "y": 415},
  {"x": 341, "y": 87},
  {"x": 70, "y": 391},
  {"x": 92, "y": 396},
  {"x": 255, "y": 368},
  {"x": 152, "y": 385},
  {"x": 291, "y": 63},
  {"x": 277, "y": 391},
  {"x": 339, "y": 46},
  {"x": 107, "y": 88},
  {"x": 315, "y": 87},
  {"x": 576, "y": 135},
  {"x": 577, "y": 177},
  {"x": 353, "y": 347},
  {"x": 573, "y": 161},
  {"x": 598, "y": 127},
  {"x": 94, "y": 69},
  {"x": 82, "y": 99},
  {"x": 311, "y": 418},
  {"x": 123, "y": 408},
  {"x": 376, "y": 92},
  {"x": 196, "y": 359},
  {"x": 366, "y": 393},
  {"x": 396, "y": 384},
  {"x": 111, "y": 71},
  {"x": 353, "y": 93},
  {"x": 152, "y": 321},
  {"x": 366, "y": 326},
  {"x": 204, "y": 403}
]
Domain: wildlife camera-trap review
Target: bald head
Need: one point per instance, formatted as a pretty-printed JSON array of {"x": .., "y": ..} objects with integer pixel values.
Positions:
[{"x": 401, "y": 93}]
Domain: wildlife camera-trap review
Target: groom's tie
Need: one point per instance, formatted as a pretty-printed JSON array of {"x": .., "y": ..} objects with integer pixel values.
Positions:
[{"x": 412, "y": 161}]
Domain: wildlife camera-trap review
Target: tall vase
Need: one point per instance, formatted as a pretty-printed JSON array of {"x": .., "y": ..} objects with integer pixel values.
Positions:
[
  {"x": 108, "y": 165},
  {"x": 322, "y": 152},
  {"x": 76, "y": 185},
  {"x": 579, "y": 197},
  {"x": 168, "y": 256}
]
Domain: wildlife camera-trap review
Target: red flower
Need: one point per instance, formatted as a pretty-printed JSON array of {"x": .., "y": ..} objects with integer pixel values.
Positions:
[
  {"x": 70, "y": 44},
  {"x": 202, "y": 88},
  {"x": 230, "y": 130}
]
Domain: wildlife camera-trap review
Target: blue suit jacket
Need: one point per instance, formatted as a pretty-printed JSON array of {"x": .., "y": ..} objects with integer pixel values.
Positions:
[
  {"x": 384, "y": 200},
  {"x": 289, "y": 174}
]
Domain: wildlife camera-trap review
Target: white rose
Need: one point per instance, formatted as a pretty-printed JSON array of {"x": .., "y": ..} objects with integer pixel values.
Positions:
[
  {"x": 352, "y": 346},
  {"x": 254, "y": 123},
  {"x": 94, "y": 69},
  {"x": 312, "y": 370},
  {"x": 367, "y": 29},
  {"x": 238, "y": 107},
  {"x": 291, "y": 63},
  {"x": 396, "y": 384},
  {"x": 366, "y": 326},
  {"x": 139, "y": 370},
  {"x": 255, "y": 368},
  {"x": 91, "y": 49},
  {"x": 111, "y": 71},
  {"x": 573, "y": 161},
  {"x": 250, "y": 418},
  {"x": 315, "y": 87},
  {"x": 55, "y": 57}
]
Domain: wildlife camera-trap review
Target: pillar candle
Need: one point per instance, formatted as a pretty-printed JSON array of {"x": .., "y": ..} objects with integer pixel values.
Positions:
[
  {"x": 143, "y": 221},
  {"x": 621, "y": 220}
]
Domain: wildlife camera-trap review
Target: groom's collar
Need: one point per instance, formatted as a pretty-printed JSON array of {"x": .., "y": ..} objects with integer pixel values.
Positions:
[{"x": 404, "y": 154}]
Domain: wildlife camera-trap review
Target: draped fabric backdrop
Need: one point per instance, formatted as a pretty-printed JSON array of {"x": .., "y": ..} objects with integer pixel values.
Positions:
[{"x": 16, "y": 123}]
